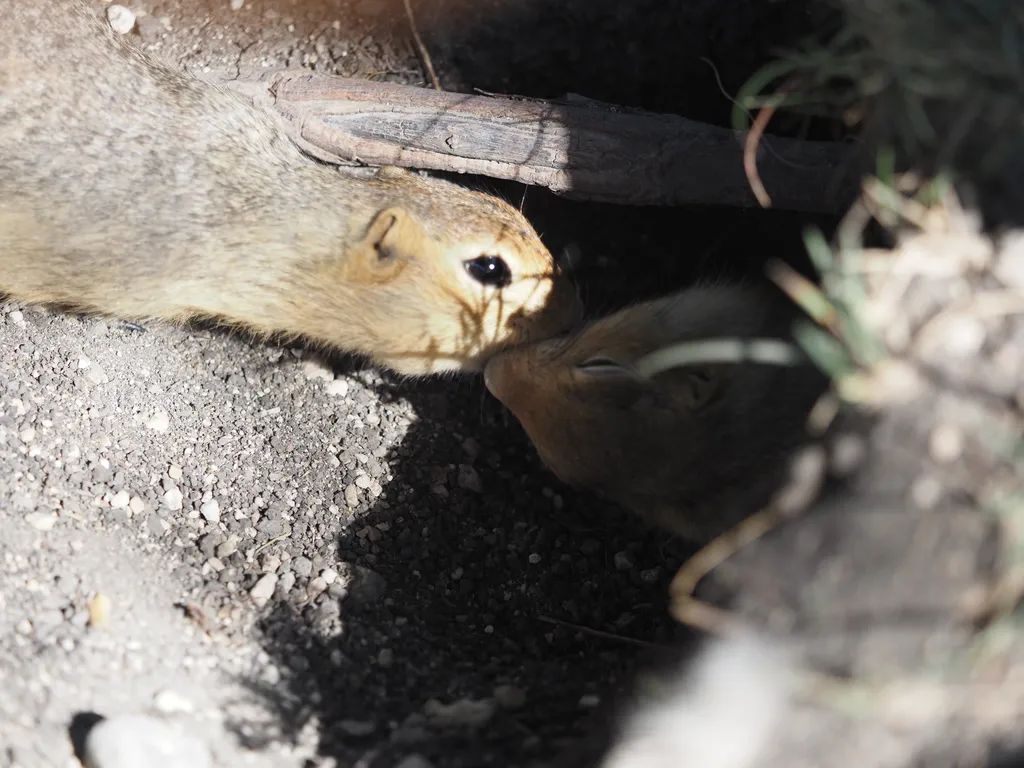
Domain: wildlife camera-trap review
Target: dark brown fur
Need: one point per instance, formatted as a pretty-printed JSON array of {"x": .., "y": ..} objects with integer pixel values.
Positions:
[{"x": 694, "y": 449}]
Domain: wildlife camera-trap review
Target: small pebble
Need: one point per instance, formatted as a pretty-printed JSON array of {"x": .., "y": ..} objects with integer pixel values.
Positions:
[
  {"x": 210, "y": 510},
  {"x": 363, "y": 481},
  {"x": 337, "y": 388},
  {"x": 174, "y": 472},
  {"x": 509, "y": 697},
  {"x": 264, "y": 589},
  {"x": 469, "y": 479},
  {"x": 99, "y": 611},
  {"x": 386, "y": 657},
  {"x": 236, "y": 5},
  {"x": 130, "y": 741},
  {"x": 464, "y": 712},
  {"x": 314, "y": 369},
  {"x": 367, "y": 586},
  {"x": 624, "y": 561},
  {"x": 329, "y": 575},
  {"x": 357, "y": 728},
  {"x": 27, "y": 435},
  {"x": 227, "y": 548},
  {"x": 169, "y": 702},
  {"x": 650, "y": 576},
  {"x": 41, "y": 521},
  {"x": 534, "y": 558},
  {"x": 120, "y": 500},
  {"x": 96, "y": 375},
  {"x": 316, "y": 587},
  {"x": 351, "y": 495},
  {"x": 137, "y": 505},
  {"x": 121, "y": 19},
  {"x": 589, "y": 700},
  {"x": 173, "y": 498},
  {"x": 160, "y": 421}
]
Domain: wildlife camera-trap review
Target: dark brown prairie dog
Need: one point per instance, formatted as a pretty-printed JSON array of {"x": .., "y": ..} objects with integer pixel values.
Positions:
[
  {"x": 695, "y": 449},
  {"x": 130, "y": 189}
]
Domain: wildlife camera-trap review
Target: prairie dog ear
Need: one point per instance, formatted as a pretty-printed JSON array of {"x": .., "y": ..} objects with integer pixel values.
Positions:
[
  {"x": 392, "y": 240},
  {"x": 694, "y": 387}
]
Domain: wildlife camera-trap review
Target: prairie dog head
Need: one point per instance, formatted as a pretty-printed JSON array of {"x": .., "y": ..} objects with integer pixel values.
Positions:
[
  {"x": 462, "y": 273},
  {"x": 680, "y": 448}
]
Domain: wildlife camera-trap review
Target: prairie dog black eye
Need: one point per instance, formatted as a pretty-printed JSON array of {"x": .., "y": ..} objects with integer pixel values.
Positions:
[
  {"x": 489, "y": 270},
  {"x": 600, "y": 366},
  {"x": 599, "y": 362}
]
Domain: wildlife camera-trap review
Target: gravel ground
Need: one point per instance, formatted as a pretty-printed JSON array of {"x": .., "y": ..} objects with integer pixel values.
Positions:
[
  {"x": 366, "y": 565},
  {"x": 299, "y": 562}
]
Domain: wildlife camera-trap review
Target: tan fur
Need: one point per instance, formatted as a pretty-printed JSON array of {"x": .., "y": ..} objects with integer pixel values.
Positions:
[
  {"x": 695, "y": 449},
  {"x": 131, "y": 189}
]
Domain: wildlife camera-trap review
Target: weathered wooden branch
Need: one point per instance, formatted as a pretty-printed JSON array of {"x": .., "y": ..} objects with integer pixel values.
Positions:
[{"x": 576, "y": 147}]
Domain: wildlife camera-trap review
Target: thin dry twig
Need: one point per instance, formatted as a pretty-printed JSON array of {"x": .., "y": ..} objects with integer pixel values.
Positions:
[
  {"x": 689, "y": 610},
  {"x": 757, "y": 129},
  {"x": 428, "y": 64},
  {"x": 596, "y": 632}
]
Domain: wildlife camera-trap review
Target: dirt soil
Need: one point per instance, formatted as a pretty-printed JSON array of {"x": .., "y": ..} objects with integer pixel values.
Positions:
[{"x": 309, "y": 564}]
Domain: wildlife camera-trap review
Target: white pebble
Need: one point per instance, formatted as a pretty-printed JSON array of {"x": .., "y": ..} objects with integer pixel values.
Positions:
[
  {"x": 313, "y": 369},
  {"x": 363, "y": 481},
  {"x": 41, "y": 521},
  {"x": 96, "y": 375},
  {"x": 137, "y": 505},
  {"x": 174, "y": 472},
  {"x": 170, "y": 702},
  {"x": 211, "y": 510},
  {"x": 160, "y": 421},
  {"x": 534, "y": 558},
  {"x": 236, "y": 5},
  {"x": 337, "y": 388},
  {"x": 121, "y": 19},
  {"x": 83, "y": 362},
  {"x": 329, "y": 575},
  {"x": 264, "y": 589},
  {"x": 316, "y": 587},
  {"x": 129, "y": 741},
  {"x": 351, "y": 495},
  {"x": 27, "y": 435},
  {"x": 120, "y": 500},
  {"x": 17, "y": 318},
  {"x": 173, "y": 498}
]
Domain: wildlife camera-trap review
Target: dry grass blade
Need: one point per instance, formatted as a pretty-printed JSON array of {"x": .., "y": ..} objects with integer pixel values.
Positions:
[
  {"x": 428, "y": 63},
  {"x": 687, "y": 609}
]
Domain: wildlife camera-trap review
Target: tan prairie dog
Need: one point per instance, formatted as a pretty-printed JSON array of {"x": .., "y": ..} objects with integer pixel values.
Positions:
[
  {"x": 694, "y": 449},
  {"x": 132, "y": 189}
]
